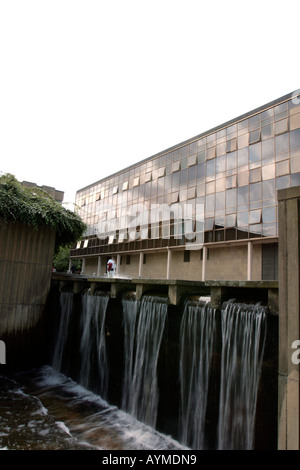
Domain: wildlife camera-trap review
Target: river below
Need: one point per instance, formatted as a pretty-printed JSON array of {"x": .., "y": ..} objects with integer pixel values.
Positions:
[{"x": 42, "y": 409}]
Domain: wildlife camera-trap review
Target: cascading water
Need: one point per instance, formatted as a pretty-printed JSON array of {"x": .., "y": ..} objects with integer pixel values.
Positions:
[
  {"x": 197, "y": 334},
  {"x": 140, "y": 392},
  {"x": 93, "y": 343},
  {"x": 220, "y": 358},
  {"x": 130, "y": 313},
  {"x": 243, "y": 340},
  {"x": 66, "y": 306}
]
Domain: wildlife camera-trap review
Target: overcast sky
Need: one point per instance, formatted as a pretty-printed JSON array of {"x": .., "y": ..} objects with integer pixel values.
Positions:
[{"x": 89, "y": 87}]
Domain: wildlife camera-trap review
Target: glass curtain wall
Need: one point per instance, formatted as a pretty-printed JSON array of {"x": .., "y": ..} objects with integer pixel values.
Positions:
[{"x": 233, "y": 173}]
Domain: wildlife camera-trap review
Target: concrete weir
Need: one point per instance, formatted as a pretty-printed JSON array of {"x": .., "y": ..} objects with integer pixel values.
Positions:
[
  {"x": 185, "y": 318},
  {"x": 219, "y": 291}
]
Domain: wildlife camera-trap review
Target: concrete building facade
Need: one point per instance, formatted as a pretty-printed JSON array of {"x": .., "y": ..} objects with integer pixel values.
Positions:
[{"x": 203, "y": 209}]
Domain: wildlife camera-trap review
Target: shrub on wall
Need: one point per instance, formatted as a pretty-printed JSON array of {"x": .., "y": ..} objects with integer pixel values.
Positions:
[{"x": 36, "y": 208}]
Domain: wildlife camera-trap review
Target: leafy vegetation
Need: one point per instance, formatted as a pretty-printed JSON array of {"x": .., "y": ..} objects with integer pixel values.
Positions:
[
  {"x": 36, "y": 208},
  {"x": 61, "y": 260}
]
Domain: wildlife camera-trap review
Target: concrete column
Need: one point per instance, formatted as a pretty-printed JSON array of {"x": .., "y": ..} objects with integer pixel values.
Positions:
[
  {"x": 250, "y": 261},
  {"x": 83, "y": 266},
  {"x": 169, "y": 263},
  {"x": 289, "y": 321},
  {"x": 99, "y": 267},
  {"x": 204, "y": 256},
  {"x": 141, "y": 264},
  {"x": 118, "y": 264}
]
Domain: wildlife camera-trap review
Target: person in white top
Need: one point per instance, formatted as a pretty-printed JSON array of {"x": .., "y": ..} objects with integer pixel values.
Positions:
[{"x": 111, "y": 267}]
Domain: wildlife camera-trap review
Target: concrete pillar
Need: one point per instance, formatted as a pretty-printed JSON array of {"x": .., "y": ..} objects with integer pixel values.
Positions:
[
  {"x": 83, "y": 266},
  {"x": 204, "y": 256},
  {"x": 289, "y": 324},
  {"x": 118, "y": 264},
  {"x": 169, "y": 263},
  {"x": 250, "y": 261},
  {"x": 141, "y": 264},
  {"x": 99, "y": 267}
]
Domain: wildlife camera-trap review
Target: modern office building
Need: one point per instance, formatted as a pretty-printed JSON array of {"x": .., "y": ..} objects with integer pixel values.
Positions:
[{"x": 203, "y": 209}]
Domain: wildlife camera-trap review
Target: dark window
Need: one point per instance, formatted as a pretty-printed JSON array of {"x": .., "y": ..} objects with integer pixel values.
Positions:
[
  {"x": 270, "y": 262},
  {"x": 186, "y": 256},
  {"x": 127, "y": 259}
]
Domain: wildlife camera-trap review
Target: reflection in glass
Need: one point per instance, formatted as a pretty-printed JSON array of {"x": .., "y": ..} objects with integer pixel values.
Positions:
[
  {"x": 242, "y": 218},
  {"x": 255, "y": 152},
  {"x": 254, "y": 136},
  {"x": 231, "y": 161},
  {"x": 281, "y": 143},
  {"x": 295, "y": 139},
  {"x": 210, "y": 203},
  {"x": 269, "y": 214},
  {"x": 210, "y": 168},
  {"x": 243, "y": 195},
  {"x": 268, "y": 172},
  {"x": 231, "y": 197},
  {"x": 267, "y": 148},
  {"x": 255, "y": 192},
  {"x": 230, "y": 220},
  {"x": 255, "y": 217},
  {"x": 243, "y": 157},
  {"x": 220, "y": 201},
  {"x": 268, "y": 189}
]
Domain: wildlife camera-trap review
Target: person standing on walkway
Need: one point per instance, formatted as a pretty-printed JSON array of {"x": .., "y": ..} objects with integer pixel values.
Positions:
[{"x": 111, "y": 267}]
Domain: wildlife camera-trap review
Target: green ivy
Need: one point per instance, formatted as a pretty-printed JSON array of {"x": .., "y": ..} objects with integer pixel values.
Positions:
[{"x": 36, "y": 208}]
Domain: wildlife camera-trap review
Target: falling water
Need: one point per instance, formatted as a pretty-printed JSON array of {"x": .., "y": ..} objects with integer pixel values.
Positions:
[
  {"x": 140, "y": 393},
  {"x": 66, "y": 305},
  {"x": 243, "y": 339},
  {"x": 130, "y": 312},
  {"x": 197, "y": 336},
  {"x": 93, "y": 343}
]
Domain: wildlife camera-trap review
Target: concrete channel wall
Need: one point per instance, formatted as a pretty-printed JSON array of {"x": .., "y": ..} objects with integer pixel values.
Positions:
[
  {"x": 25, "y": 276},
  {"x": 289, "y": 318}
]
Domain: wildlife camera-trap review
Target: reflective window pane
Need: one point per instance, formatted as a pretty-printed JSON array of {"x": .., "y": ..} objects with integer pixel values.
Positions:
[
  {"x": 231, "y": 161},
  {"x": 281, "y": 143},
  {"x": 220, "y": 201},
  {"x": 255, "y": 192},
  {"x": 210, "y": 168},
  {"x": 255, "y": 152},
  {"x": 231, "y": 197},
  {"x": 243, "y": 195},
  {"x": 268, "y": 189},
  {"x": 267, "y": 148},
  {"x": 267, "y": 131},
  {"x": 243, "y": 157},
  {"x": 295, "y": 139},
  {"x": 220, "y": 164}
]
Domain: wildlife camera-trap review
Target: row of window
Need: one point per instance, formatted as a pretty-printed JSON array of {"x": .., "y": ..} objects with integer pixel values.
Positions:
[
  {"x": 249, "y": 158},
  {"x": 249, "y": 131}
]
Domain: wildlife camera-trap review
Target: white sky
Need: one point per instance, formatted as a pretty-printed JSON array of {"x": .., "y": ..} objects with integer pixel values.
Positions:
[{"x": 90, "y": 87}]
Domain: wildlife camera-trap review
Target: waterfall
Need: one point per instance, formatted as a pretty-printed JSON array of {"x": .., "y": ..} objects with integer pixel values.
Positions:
[
  {"x": 217, "y": 368},
  {"x": 66, "y": 306},
  {"x": 94, "y": 363},
  {"x": 197, "y": 334},
  {"x": 140, "y": 392},
  {"x": 243, "y": 339},
  {"x": 130, "y": 312}
]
